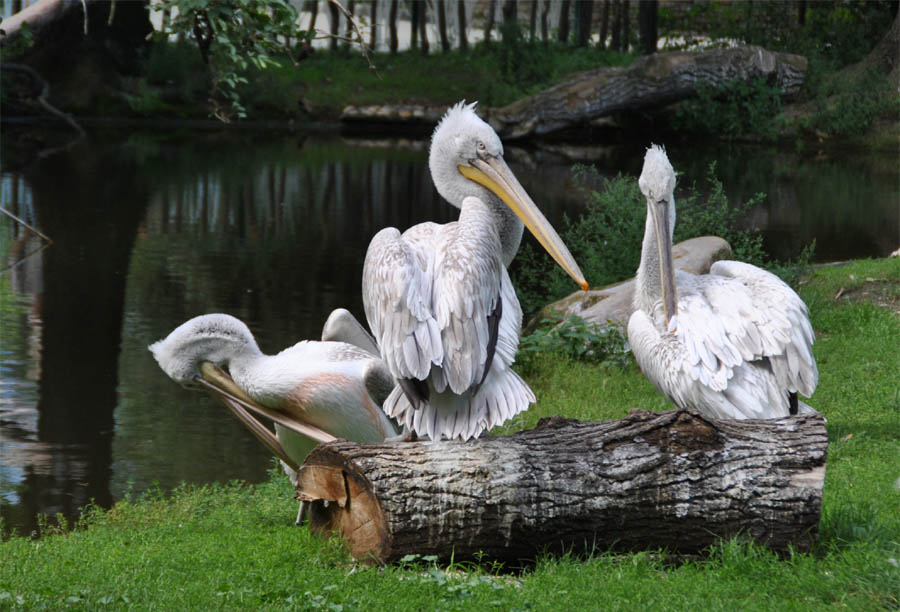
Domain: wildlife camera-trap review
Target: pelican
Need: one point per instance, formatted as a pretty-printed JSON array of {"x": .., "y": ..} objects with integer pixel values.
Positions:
[
  {"x": 735, "y": 343},
  {"x": 438, "y": 298},
  {"x": 313, "y": 391}
]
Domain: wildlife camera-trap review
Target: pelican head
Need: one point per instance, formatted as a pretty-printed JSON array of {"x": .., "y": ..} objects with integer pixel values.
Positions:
[
  {"x": 216, "y": 338},
  {"x": 657, "y": 183},
  {"x": 466, "y": 160}
]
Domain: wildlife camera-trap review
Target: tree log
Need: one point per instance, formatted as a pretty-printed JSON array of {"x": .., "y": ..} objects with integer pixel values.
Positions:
[
  {"x": 650, "y": 81},
  {"x": 671, "y": 480}
]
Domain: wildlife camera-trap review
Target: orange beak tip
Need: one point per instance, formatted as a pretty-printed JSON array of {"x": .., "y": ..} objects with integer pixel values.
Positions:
[{"x": 584, "y": 286}]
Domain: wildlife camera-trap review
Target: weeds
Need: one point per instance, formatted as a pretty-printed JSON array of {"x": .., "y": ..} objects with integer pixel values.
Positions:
[
  {"x": 737, "y": 110},
  {"x": 578, "y": 340}
]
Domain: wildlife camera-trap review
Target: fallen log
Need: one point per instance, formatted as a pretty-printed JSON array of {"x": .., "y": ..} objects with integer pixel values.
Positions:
[
  {"x": 671, "y": 480},
  {"x": 651, "y": 81}
]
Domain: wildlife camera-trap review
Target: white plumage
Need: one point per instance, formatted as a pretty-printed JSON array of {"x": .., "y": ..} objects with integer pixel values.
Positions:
[
  {"x": 438, "y": 298},
  {"x": 734, "y": 343},
  {"x": 333, "y": 386}
]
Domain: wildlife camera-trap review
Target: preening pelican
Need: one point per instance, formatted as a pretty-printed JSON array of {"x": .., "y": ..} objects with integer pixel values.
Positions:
[
  {"x": 438, "y": 298},
  {"x": 734, "y": 343},
  {"x": 313, "y": 391}
]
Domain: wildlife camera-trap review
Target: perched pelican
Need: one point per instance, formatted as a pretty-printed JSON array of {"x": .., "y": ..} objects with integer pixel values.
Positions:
[
  {"x": 735, "y": 343},
  {"x": 313, "y": 391},
  {"x": 438, "y": 298}
]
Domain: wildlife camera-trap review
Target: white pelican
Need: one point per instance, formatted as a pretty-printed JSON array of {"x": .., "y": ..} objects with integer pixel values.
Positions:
[
  {"x": 313, "y": 391},
  {"x": 734, "y": 343},
  {"x": 438, "y": 298}
]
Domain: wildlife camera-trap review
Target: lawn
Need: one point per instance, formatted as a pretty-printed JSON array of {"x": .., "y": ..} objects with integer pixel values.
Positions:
[{"x": 233, "y": 547}]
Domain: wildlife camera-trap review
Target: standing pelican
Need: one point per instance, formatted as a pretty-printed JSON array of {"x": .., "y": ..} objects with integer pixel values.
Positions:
[
  {"x": 313, "y": 391},
  {"x": 734, "y": 343},
  {"x": 438, "y": 297}
]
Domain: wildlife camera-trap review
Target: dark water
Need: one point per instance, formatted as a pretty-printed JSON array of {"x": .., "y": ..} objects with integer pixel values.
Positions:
[{"x": 151, "y": 229}]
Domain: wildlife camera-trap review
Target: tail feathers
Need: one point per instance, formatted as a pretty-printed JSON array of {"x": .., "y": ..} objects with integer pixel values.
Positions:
[{"x": 447, "y": 415}]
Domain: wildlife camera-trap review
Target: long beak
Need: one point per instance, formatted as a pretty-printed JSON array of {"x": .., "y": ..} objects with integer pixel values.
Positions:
[
  {"x": 493, "y": 173},
  {"x": 660, "y": 213},
  {"x": 220, "y": 384}
]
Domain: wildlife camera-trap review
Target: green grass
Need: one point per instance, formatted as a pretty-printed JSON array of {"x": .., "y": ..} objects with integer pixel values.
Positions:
[{"x": 233, "y": 547}]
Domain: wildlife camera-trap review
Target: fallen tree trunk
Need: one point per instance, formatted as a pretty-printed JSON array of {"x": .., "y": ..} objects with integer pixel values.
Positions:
[
  {"x": 650, "y": 81},
  {"x": 672, "y": 480}
]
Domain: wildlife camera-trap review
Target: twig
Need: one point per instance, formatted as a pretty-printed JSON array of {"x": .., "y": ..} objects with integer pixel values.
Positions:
[
  {"x": 362, "y": 44},
  {"x": 42, "y": 100},
  {"x": 27, "y": 226}
]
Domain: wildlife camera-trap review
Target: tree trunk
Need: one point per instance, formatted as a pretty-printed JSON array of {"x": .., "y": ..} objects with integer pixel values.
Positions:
[
  {"x": 532, "y": 20},
  {"x": 392, "y": 26},
  {"x": 442, "y": 26},
  {"x": 461, "y": 17},
  {"x": 650, "y": 81},
  {"x": 604, "y": 24},
  {"x": 545, "y": 10},
  {"x": 647, "y": 25},
  {"x": 563, "y": 33},
  {"x": 423, "y": 27},
  {"x": 585, "y": 9},
  {"x": 373, "y": 32},
  {"x": 315, "y": 14},
  {"x": 626, "y": 26},
  {"x": 351, "y": 8},
  {"x": 334, "y": 25},
  {"x": 414, "y": 24},
  {"x": 672, "y": 480},
  {"x": 492, "y": 9},
  {"x": 615, "y": 44}
]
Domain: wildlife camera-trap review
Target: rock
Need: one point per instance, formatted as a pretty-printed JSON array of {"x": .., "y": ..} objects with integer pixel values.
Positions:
[{"x": 612, "y": 304}]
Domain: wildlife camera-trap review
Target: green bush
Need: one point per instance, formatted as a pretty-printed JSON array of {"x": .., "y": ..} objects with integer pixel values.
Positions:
[
  {"x": 576, "y": 339},
  {"x": 737, "y": 110}
]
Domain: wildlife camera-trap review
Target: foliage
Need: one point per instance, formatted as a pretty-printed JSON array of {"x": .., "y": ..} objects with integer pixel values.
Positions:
[
  {"x": 736, "y": 110},
  {"x": 232, "y": 36},
  {"x": 577, "y": 339},
  {"x": 234, "y": 546},
  {"x": 850, "y": 107},
  {"x": 606, "y": 239}
]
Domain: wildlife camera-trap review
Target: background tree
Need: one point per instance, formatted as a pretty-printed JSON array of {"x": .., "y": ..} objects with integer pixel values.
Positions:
[
  {"x": 442, "y": 26},
  {"x": 532, "y": 20},
  {"x": 334, "y": 16},
  {"x": 351, "y": 9},
  {"x": 563, "y": 32},
  {"x": 545, "y": 12},
  {"x": 392, "y": 26},
  {"x": 647, "y": 25},
  {"x": 373, "y": 30},
  {"x": 461, "y": 17},
  {"x": 604, "y": 24},
  {"x": 489, "y": 26},
  {"x": 585, "y": 11},
  {"x": 615, "y": 43},
  {"x": 626, "y": 26},
  {"x": 414, "y": 14},
  {"x": 423, "y": 27}
]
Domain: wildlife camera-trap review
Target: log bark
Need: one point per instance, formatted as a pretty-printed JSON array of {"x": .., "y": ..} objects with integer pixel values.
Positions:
[
  {"x": 651, "y": 81},
  {"x": 672, "y": 480}
]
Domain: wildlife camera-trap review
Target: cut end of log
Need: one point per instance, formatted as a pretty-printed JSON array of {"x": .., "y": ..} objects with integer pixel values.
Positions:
[{"x": 343, "y": 502}]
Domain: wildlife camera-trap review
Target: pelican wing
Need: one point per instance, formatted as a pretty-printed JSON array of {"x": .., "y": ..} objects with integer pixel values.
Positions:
[
  {"x": 747, "y": 391},
  {"x": 397, "y": 294},
  {"x": 781, "y": 320},
  {"x": 467, "y": 303},
  {"x": 342, "y": 326}
]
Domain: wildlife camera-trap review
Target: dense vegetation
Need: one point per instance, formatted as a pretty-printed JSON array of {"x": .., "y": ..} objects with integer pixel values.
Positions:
[{"x": 233, "y": 547}]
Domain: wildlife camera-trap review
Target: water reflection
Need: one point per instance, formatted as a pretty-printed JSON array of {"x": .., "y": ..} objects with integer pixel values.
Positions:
[{"x": 154, "y": 229}]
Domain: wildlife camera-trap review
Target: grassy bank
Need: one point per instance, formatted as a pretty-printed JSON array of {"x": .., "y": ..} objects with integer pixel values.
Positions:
[{"x": 233, "y": 547}]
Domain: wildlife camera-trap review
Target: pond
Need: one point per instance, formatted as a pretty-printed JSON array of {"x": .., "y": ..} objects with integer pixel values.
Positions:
[{"x": 149, "y": 229}]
